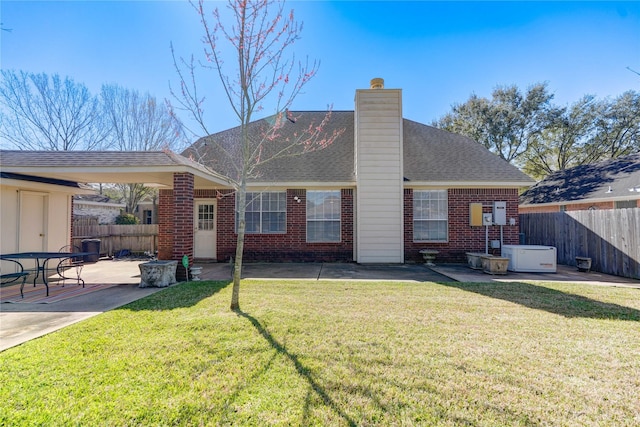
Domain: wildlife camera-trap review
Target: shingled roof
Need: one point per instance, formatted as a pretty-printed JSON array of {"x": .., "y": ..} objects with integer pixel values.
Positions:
[
  {"x": 612, "y": 179},
  {"x": 431, "y": 155},
  {"x": 155, "y": 167}
]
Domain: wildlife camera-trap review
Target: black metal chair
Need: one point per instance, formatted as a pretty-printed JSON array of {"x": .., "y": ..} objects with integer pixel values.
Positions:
[
  {"x": 9, "y": 276},
  {"x": 71, "y": 267}
]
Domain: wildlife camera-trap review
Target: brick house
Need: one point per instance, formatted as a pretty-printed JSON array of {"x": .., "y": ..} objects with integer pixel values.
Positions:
[
  {"x": 385, "y": 189},
  {"x": 609, "y": 184}
]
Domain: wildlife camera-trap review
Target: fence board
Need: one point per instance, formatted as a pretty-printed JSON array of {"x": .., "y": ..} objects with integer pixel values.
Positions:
[
  {"x": 611, "y": 238},
  {"x": 137, "y": 238}
]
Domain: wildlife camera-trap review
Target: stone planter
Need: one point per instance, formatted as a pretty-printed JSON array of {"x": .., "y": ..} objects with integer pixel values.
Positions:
[
  {"x": 494, "y": 264},
  {"x": 196, "y": 271},
  {"x": 158, "y": 274},
  {"x": 429, "y": 256},
  {"x": 583, "y": 263},
  {"x": 474, "y": 260}
]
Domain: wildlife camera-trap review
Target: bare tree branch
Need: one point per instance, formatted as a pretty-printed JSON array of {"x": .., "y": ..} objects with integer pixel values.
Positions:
[
  {"x": 249, "y": 56},
  {"x": 40, "y": 112}
]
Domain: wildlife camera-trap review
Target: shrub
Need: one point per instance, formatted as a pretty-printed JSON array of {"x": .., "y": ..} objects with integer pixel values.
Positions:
[{"x": 127, "y": 219}]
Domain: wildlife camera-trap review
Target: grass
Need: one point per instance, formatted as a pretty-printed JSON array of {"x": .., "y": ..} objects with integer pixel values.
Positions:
[{"x": 339, "y": 353}]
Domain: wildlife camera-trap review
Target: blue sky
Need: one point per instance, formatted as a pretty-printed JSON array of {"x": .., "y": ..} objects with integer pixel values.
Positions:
[{"x": 438, "y": 53}]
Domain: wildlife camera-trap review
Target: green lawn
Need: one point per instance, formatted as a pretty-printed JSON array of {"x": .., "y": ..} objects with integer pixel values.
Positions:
[{"x": 339, "y": 353}]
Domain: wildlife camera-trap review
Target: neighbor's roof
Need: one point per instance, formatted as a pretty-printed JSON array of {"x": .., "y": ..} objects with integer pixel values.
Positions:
[
  {"x": 612, "y": 179},
  {"x": 431, "y": 156},
  {"x": 149, "y": 167}
]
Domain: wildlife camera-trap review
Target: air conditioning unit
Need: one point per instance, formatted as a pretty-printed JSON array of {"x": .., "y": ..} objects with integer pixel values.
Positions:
[{"x": 530, "y": 258}]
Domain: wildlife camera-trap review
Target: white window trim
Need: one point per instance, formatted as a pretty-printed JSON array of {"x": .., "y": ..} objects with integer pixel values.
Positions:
[
  {"x": 339, "y": 220},
  {"x": 261, "y": 193},
  {"x": 446, "y": 240}
]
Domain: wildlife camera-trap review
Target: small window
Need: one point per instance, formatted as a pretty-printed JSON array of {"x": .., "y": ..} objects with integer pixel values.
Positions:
[
  {"x": 430, "y": 216},
  {"x": 625, "y": 204},
  {"x": 148, "y": 216},
  {"x": 266, "y": 213},
  {"x": 323, "y": 216},
  {"x": 206, "y": 217}
]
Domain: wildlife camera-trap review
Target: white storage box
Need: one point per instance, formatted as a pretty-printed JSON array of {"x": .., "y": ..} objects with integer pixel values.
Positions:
[{"x": 530, "y": 258}]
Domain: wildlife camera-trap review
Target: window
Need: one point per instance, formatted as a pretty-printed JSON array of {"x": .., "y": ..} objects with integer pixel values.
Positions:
[
  {"x": 206, "y": 217},
  {"x": 430, "y": 215},
  {"x": 323, "y": 216},
  {"x": 625, "y": 204},
  {"x": 266, "y": 213},
  {"x": 148, "y": 216}
]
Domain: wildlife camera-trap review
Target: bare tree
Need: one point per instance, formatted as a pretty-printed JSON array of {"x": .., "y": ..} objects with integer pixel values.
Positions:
[
  {"x": 260, "y": 73},
  {"x": 49, "y": 113},
  {"x": 138, "y": 123}
]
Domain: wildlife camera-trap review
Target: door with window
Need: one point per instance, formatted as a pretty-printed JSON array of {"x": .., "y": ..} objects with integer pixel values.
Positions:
[{"x": 204, "y": 237}]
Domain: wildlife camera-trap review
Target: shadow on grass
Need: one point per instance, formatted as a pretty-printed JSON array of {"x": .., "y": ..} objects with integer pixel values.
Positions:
[
  {"x": 300, "y": 368},
  {"x": 178, "y": 296},
  {"x": 551, "y": 300}
]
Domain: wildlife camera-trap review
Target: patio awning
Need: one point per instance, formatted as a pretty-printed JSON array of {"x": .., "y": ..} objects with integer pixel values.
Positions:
[{"x": 152, "y": 168}]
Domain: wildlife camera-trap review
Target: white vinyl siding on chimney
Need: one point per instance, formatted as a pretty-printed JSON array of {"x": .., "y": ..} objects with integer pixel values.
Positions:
[{"x": 379, "y": 195}]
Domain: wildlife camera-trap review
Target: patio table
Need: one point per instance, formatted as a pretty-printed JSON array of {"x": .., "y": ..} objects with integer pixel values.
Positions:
[{"x": 41, "y": 260}]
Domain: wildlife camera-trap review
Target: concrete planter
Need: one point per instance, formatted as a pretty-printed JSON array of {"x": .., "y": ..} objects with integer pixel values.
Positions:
[
  {"x": 474, "y": 260},
  {"x": 494, "y": 265},
  {"x": 583, "y": 264},
  {"x": 158, "y": 274},
  {"x": 429, "y": 256},
  {"x": 196, "y": 271}
]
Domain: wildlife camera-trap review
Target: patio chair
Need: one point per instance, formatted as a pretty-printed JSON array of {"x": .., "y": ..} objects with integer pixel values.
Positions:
[
  {"x": 71, "y": 267},
  {"x": 8, "y": 275}
]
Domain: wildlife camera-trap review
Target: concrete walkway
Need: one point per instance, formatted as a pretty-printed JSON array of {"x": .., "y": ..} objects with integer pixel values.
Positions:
[{"x": 21, "y": 322}]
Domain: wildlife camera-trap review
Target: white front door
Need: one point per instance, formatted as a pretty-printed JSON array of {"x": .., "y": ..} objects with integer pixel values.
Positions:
[
  {"x": 204, "y": 238},
  {"x": 32, "y": 235}
]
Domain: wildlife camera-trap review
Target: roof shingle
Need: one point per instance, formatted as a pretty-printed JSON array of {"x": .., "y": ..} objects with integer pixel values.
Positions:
[
  {"x": 430, "y": 155},
  {"x": 609, "y": 179}
]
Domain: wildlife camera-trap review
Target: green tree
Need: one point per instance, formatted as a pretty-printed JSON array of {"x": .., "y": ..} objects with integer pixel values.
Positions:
[
  {"x": 566, "y": 141},
  {"x": 507, "y": 124},
  {"x": 249, "y": 56},
  {"x": 618, "y": 127}
]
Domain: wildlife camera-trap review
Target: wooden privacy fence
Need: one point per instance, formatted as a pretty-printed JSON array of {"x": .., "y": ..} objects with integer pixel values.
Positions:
[
  {"x": 611, "y": 238},
  {"x": 138, "y": 238}
]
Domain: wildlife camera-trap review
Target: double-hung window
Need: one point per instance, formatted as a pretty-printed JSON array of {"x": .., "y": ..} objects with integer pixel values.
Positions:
[
  {"x": 430, "y": 216},
  {"x": 323, "y": 216},
  {"x": 266, "y": 212}
]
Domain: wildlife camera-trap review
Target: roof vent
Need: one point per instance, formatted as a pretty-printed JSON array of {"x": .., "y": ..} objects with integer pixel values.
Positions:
[{"x": 377, "y": 83}]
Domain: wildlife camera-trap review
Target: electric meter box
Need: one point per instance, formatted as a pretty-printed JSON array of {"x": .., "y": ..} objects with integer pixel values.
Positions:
[
  {"x": 500, "y": 213},
  {"x": 487, "y": 218},
  {"x": 475, "y": 214}
]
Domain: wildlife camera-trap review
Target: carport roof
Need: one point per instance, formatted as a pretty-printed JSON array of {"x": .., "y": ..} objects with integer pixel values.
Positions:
[{"x": 153, "y": 168}]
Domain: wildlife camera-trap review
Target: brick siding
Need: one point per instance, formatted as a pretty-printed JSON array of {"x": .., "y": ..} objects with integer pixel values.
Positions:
[
  {"x": 291, "y": 246},
  {"x": 462, "y": 237},
  {"x": 175, "y": 219},
  {"x": 175, "y": 216}
]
